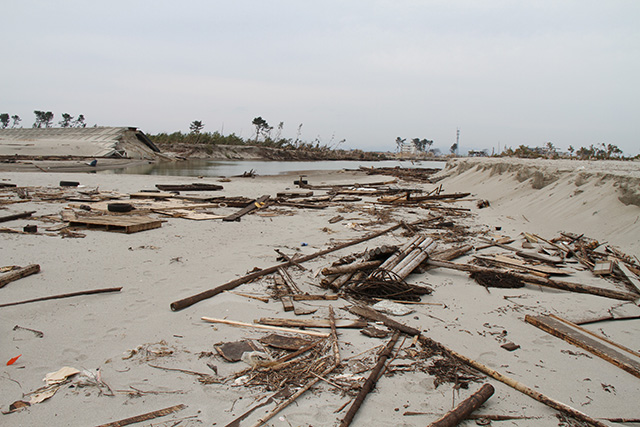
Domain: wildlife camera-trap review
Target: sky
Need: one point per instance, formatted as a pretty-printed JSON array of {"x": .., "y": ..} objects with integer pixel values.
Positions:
[{"x": 505, "y": 73}]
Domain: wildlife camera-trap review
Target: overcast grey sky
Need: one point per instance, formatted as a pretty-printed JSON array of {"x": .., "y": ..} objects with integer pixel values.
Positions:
[{"x": 504, "y": 72}]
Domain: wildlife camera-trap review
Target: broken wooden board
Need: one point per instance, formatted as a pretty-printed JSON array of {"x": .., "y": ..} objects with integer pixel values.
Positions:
[
  {"x": 603, "y": 267},
  {"x": 256, "y": 204},
  {"x": 512, "y": 262},
  {"x": 310, "y": 323},
  {"x": 287, "y": 303},
  {"x": 233, "y": 351},
  {"x": 151, "y": 195},
  {"x": 189, "y": 187},
  {"x": 294, "y": 193},
  {"x": 284, "y": 342},
  {"x": 188, "y": 214},
  {"x": 120, "y": 223},
  {"x": 633, "y": 279},
  {"x": 574, "y": 334},
  {"x": 16, "y": 216}
]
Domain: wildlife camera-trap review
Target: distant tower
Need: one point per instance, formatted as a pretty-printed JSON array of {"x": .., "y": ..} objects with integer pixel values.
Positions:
[{"x": 457, "y": 140}]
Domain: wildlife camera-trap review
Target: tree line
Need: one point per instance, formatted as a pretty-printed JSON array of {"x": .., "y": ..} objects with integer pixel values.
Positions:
[
  {"x": 599, "y": 151},
  {"x": 264, "y": 135},
  {"x": 43, "y": 119}
]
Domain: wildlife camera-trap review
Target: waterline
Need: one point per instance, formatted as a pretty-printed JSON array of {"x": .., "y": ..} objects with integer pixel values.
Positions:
[{"x": 217, "y": 168}]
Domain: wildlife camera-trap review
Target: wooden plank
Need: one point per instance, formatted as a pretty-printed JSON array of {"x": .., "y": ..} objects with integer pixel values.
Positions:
[
  {"x": 505, "y": 260},
  {"x": 151, "y": 195},
  {"x": 16, "y": 216},
  {"x": 18, "y": 274},
  {"x": 603, "y": 267},
  {"x": 295, "y": 193},
  {"x": 310, "y": 323},
  {"x": 287, "y": 303},
  {"x": 633, "y": 279},
  {"x": 120, "y": 223},
  {"x": 588, "y": 342},
  {"x": 256, "y": 204},
  {"x": 145, "y": 417},
  {"x": 189, "y": 187}
]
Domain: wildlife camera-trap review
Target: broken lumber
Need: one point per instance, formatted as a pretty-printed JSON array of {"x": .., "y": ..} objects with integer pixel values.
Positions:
[
  {"x": 18, "y": 274},
  {"x": 256, "y": 204},
  {"x": 465, "y": 408},
  {"x": 633, "y": 279},
  {"x": 16, "y": 216},
  {"x": 556, "y": 284},
  {"x": 576, "y": 335},
  {"x": 371, "y": 381},
  {"x": 256, "y": 326},
  {"x": 145, "y": 417},
  {"x": 189, "y": 301},
  {"x": 189, "y": 187},
  {"x": 371, "y": 314},
  {"x": 72, "y": 294},
  {"x": 310, "y": 323}
]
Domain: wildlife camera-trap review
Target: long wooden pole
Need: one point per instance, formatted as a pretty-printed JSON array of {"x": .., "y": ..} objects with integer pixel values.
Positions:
[
  {"x": 465, "y": 408},
  {"x": 556, "y": 284},
  {"x": 371, "y": 381},
  {"x": 377, "y": 316},
  {"x": 72, "y": 294},
  {"x": 189, "y": 301}
]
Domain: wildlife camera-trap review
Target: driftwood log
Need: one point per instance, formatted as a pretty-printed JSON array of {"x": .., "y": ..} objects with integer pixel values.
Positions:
[
  {"x": 371, "y": 381},
  {"x": 465, "y": 408},
  {"x": 18, "y": 274}
]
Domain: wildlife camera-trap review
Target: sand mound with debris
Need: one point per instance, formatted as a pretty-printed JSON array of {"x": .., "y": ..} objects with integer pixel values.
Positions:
[{"x": 600, "y": 199}]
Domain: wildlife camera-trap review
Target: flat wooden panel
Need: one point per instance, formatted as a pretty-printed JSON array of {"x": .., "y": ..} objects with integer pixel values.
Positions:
[
  {"x": 126, "y": 224},
  {"x": 590, "y": 343}
]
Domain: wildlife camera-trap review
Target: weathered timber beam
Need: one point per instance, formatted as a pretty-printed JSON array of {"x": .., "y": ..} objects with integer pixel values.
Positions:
[
  {"x": 556, "y": 284},
  {"x": 189, "y": 301}
]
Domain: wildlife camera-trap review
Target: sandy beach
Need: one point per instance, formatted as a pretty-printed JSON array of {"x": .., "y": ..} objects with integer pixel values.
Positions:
[{"x": 135, "y": 355}]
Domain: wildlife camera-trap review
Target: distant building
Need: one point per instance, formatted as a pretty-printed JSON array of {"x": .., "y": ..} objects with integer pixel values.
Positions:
[
  {"x": 477, "y": 153},
  {"x": 114, "y": 142}
]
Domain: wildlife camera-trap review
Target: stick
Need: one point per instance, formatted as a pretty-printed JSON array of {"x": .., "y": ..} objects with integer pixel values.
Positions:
[
  {"x": 272, "y": 328},
  {"x": 73, "y": 294},
  {"x": 311, "y": 383},
  {"x": 145, "y": 417},
  {"x": 187, "y": 302},
  {"x": 18, "y": 274},
  {"x": 556, "y": 284},
  {"x": 465, "y": 408},
  {"x": 371, "y": 380},
  {"x": 376, "y": 316}
]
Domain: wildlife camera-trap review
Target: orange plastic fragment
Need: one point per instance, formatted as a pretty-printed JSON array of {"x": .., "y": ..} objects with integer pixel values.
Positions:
[{"x": 13, "y": 360}]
